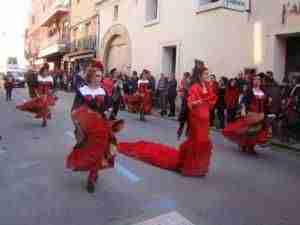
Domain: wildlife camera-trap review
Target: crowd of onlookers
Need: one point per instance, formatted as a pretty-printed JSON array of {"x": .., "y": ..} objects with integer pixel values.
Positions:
[{"x": 285, "y": 103}]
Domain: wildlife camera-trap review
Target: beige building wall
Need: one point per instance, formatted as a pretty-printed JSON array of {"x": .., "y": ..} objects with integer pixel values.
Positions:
[
  {"x": 81, "y": 12},
  {"x": 227, "y": 40}
]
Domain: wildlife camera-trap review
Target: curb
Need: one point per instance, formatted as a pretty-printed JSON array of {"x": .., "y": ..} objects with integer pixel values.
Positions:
[{"x": 272, "y": 142}]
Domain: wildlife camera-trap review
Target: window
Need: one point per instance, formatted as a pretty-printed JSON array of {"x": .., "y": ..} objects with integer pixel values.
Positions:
[
  {"x": 205, "y": 5},
  {"x": 33, "y": 19},
  {"x": 87, "y": 29},
  {"x": 237, "y": 5},
  {"x": 116, "y": 12},
  {"x": 204, "y": 2},
  {"x": 152, "y": 12}
]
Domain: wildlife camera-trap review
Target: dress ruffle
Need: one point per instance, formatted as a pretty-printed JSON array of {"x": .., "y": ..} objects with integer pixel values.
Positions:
[
  {"x": 94, "y": 153},
  {"x": 247, "y": 131},
  {"x": 38, "y": 106}
]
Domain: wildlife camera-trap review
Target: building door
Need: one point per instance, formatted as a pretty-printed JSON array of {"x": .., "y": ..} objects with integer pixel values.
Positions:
[
  {"x": 118, "y": 54},
  {"x": 169, "y": 60},
  {"x": 293, "y": 57}
]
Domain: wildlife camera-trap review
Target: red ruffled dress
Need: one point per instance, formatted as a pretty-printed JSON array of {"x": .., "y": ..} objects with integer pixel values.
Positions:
[
  {"x": 142, "y": 100},
  {"x": 193, "y": 157},
  {"x": 93, "y": 154},
  {"x": 252, "y": 129},
  {"x": 40, "y": 106},
  {"x": 195, "y": 152}
]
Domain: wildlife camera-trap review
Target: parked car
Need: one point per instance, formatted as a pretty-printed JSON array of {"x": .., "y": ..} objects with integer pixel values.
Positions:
[{"x": 19, "y": 78}]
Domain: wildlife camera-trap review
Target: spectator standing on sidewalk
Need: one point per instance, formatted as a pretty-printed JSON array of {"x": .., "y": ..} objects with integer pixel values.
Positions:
[
  {"x": 117, "y": 94},
  {"x": 215, "y": 86},
  {"x": 133, "y": 83},
  {"x": 9, "y": 86},
  {"x": 31, "y": 80},
  {"x": 172, "y": 94},
  {"x": 232, "y": 99},
  {"x": 221, "y": 104},
  {"x": 108, "y": 85},
  {"x": 162, "y": 88}
]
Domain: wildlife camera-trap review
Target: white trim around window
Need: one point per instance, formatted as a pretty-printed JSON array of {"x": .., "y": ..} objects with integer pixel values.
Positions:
[
  {"x": 208, "y": 6},
  {"x": 151, "y": 22}
]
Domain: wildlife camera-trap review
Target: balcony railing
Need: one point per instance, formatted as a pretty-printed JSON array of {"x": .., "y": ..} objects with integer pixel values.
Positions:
[
  {"x": 88, "y": 43},
  {"x": 55, "y": 39}
]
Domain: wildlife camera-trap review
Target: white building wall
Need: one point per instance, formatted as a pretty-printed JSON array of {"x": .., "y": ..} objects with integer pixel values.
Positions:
[{"x": 228, "y": 41}]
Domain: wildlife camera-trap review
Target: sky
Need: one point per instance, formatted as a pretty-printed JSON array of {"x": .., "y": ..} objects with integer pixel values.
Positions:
[{"x": 13, "y": 22}]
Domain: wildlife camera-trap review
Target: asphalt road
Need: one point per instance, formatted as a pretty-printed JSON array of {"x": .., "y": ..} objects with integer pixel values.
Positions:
[{"x": 36, "y": 189}]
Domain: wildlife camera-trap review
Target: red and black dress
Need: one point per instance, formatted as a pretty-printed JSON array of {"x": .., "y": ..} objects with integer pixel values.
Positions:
[
  {"x": 251, "y": 129},
  {"x": 40, "y": 105},
  {"x": 141, "y": 101},
  {"x": 93, "y": 133},
  {"x": 193, "y": 157}
]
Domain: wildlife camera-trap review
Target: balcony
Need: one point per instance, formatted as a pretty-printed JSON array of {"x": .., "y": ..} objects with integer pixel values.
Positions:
[
  {"x": 59, "y": 9},
  {"x": 88, "y": 43},
  {"x": 56, "y": 44}
]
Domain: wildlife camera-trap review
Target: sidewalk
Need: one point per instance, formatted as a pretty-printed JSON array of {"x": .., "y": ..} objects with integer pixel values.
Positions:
[{"x": 273, "y": 141}]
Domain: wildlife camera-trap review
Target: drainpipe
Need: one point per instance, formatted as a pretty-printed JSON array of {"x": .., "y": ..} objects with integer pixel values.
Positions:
[{"x": 98, "y": 33}]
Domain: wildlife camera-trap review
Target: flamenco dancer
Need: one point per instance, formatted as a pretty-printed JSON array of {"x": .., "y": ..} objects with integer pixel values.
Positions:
[
  {"x": 145, "y": 96},
  {"x": 193, "y": 157},
  {"x": 253, "y": 126},
  {"x": 94, "y": 133},
  {"x": 40, "y": 105}
]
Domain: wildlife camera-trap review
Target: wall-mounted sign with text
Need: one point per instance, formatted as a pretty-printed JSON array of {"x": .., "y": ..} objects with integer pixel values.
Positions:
[{"x": 239, "y": 5}]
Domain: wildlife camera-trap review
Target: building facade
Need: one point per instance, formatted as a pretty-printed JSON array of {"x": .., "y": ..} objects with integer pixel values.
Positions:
[
  {"x": 229, "y": 35},
  {"x": 84, "y": 32},
  {"x": 48, "y": 36}
]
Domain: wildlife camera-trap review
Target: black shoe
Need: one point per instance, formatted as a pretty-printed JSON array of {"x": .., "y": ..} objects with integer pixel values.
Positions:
[
  {"x": 90, "y": 187},
  {"x": 44, "y": 124},
  {"x": 171, "y": 115}
]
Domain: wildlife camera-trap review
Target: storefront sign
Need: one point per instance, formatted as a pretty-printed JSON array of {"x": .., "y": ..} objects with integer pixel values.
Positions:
[
  {"x": 239, "y": 5},
  {"x": 291, "y": 12}
]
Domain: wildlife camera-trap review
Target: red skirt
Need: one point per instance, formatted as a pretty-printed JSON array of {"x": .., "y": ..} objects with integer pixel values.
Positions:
[
  {"x": 138, "y": 102},
  {"x": 159, "y": 155},
  {"x": 247, "y": 132},
  {"x": 194, "y": 158},
  {"x": 39, "y": 106},
  {"x": 133, "y": 103},
  {"x": 187, "y": 160},
  {"x": 95, "y": 151}
]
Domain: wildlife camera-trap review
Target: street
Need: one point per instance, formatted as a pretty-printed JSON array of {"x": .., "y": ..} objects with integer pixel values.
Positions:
[{"x": 37, "y": 189}]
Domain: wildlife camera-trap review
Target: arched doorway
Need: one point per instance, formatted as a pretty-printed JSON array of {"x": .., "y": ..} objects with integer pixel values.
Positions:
[
  {"x": 116, "y": 49},
  {"x": 118, "y": 54}
]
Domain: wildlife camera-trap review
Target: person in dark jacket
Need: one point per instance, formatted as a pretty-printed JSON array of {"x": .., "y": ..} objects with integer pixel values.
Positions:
[
  {"x": 162, "y": 88},
  {"x": 232, "y": 99},
  {"x": 172, "y": 94},
  {"x": 32, "y": 82},
  {"x": 9, "y": 86},
  {"x": 133, "y": 83},
  {"x": 221, "y": 104},
  {"x": 118, "y": 93},
  {"x": 215, "y": 86}
]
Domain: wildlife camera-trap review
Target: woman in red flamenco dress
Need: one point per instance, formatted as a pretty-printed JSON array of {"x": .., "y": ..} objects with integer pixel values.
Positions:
[
  {"x": 93, "y": 132},
  {"x": 253, "y": 126},
  {"x": 144, "y": 93},
  {"x": 141, "y": 101},
  {"x": 193, "y": 157},
  {"x": 40, "y": 105}
]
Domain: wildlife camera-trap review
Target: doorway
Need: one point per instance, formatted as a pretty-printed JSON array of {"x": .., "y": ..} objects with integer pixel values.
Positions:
[
  {"x": 169, "y": 60},
  {"x": 293, "y": 57}
]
